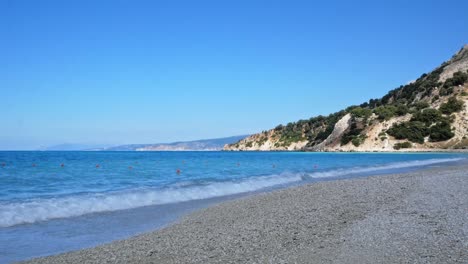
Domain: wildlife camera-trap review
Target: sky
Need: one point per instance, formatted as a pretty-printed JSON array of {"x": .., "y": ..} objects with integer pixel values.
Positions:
[{"x": 121, "y": 72}]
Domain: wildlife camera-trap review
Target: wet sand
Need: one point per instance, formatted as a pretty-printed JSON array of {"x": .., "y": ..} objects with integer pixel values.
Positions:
[{"x": 417, "y": 217}]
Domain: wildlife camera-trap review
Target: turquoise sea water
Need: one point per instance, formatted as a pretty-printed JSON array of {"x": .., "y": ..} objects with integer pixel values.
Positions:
[{"x": 63, "y": 197}]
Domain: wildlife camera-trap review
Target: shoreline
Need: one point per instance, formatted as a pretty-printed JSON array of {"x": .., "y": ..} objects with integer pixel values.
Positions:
[
  {"x": 405, "y": 151},
  {"x": 411, "y": 217}
]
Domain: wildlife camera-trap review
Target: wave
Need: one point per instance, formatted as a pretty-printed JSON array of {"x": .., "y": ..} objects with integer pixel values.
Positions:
[
  {"x": 46, "y": 209},
  {"x": 43, "y": 209},
  {"x": 396, "y": 165}
]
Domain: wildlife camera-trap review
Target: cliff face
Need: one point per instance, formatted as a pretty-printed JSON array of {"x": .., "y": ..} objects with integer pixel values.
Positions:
[{"x": 428, "y": 114}]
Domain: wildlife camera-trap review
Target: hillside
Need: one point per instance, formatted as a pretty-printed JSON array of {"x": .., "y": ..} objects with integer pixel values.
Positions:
[
  {"x": 196, "y": 145},
  {"x": 427, "y": 114}
]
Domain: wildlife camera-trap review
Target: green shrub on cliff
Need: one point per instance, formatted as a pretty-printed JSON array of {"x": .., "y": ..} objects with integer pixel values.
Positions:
[
  {"x": 401, "y": 110},
  {"x": 446, "y": 91},
  {"x": 441, "y": 132},
  {"x": 421, "y": 105},
  {"x": 458, "y": 78},
  {"x": 428, "y": 122},
  {"x": 414, "y": 131},
  {"x": 360, "y": 112},
  {"x": 428, "y": 116},
  {"x": 385, "y": 112},
  {"x": 406, "y": 144},
  {"x": 451, "y": 106},
  {"x": 357, "y": 140}
]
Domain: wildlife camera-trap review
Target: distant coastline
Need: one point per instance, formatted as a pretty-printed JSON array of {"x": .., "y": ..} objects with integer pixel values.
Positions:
[{"x": 214, "y": 144}]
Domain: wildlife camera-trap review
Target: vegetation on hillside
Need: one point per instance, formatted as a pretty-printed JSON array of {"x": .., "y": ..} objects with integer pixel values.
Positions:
[
  {"x": 429, "y": 122},
  {"x": 451, "y": 106},
  {"x": 403, "y": 145},
  {"x": 313, "y": 130},
  {"x": 413, "y": 99}
]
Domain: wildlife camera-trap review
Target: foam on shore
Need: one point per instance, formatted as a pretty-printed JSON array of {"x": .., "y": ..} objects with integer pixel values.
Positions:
[{"x": 35, "y": 210}]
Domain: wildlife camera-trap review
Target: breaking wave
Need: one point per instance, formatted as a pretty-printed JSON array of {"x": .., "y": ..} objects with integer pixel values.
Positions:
[{"x": 42, "y": 209}]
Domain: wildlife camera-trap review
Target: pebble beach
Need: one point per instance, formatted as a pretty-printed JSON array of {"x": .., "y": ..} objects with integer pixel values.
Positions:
[{"x": 416, "y": 217}]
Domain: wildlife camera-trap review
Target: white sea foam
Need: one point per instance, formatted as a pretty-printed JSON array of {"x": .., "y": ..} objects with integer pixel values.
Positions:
[
  {"x": 391, "y": 166},
  {"x": 44, "y": 209}
]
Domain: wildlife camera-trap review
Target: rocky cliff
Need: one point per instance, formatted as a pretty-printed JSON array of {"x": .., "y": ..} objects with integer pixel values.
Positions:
[{"x": 427, "y": 114}]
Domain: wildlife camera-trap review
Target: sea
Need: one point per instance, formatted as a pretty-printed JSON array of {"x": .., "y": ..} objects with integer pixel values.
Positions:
[{"x": 53, "y": 202}]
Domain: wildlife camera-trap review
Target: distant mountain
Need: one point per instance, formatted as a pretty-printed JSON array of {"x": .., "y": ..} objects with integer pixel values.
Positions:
[
  {"x": 74, "y": 147},
  {"x": 430, "y": 113},
  {"x": 196, "y": 145},
  {"x": 131, "y": 147}
]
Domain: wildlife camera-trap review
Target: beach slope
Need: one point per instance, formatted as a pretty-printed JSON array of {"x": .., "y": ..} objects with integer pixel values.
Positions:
[{"x": 418, "y": 217}]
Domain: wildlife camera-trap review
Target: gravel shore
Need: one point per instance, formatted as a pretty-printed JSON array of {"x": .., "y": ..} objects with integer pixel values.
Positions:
[{"x": 418, "y": 217}]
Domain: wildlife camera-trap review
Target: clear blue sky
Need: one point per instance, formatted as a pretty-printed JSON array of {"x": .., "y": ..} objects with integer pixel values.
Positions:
[{"x": 118, "y": 72}]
